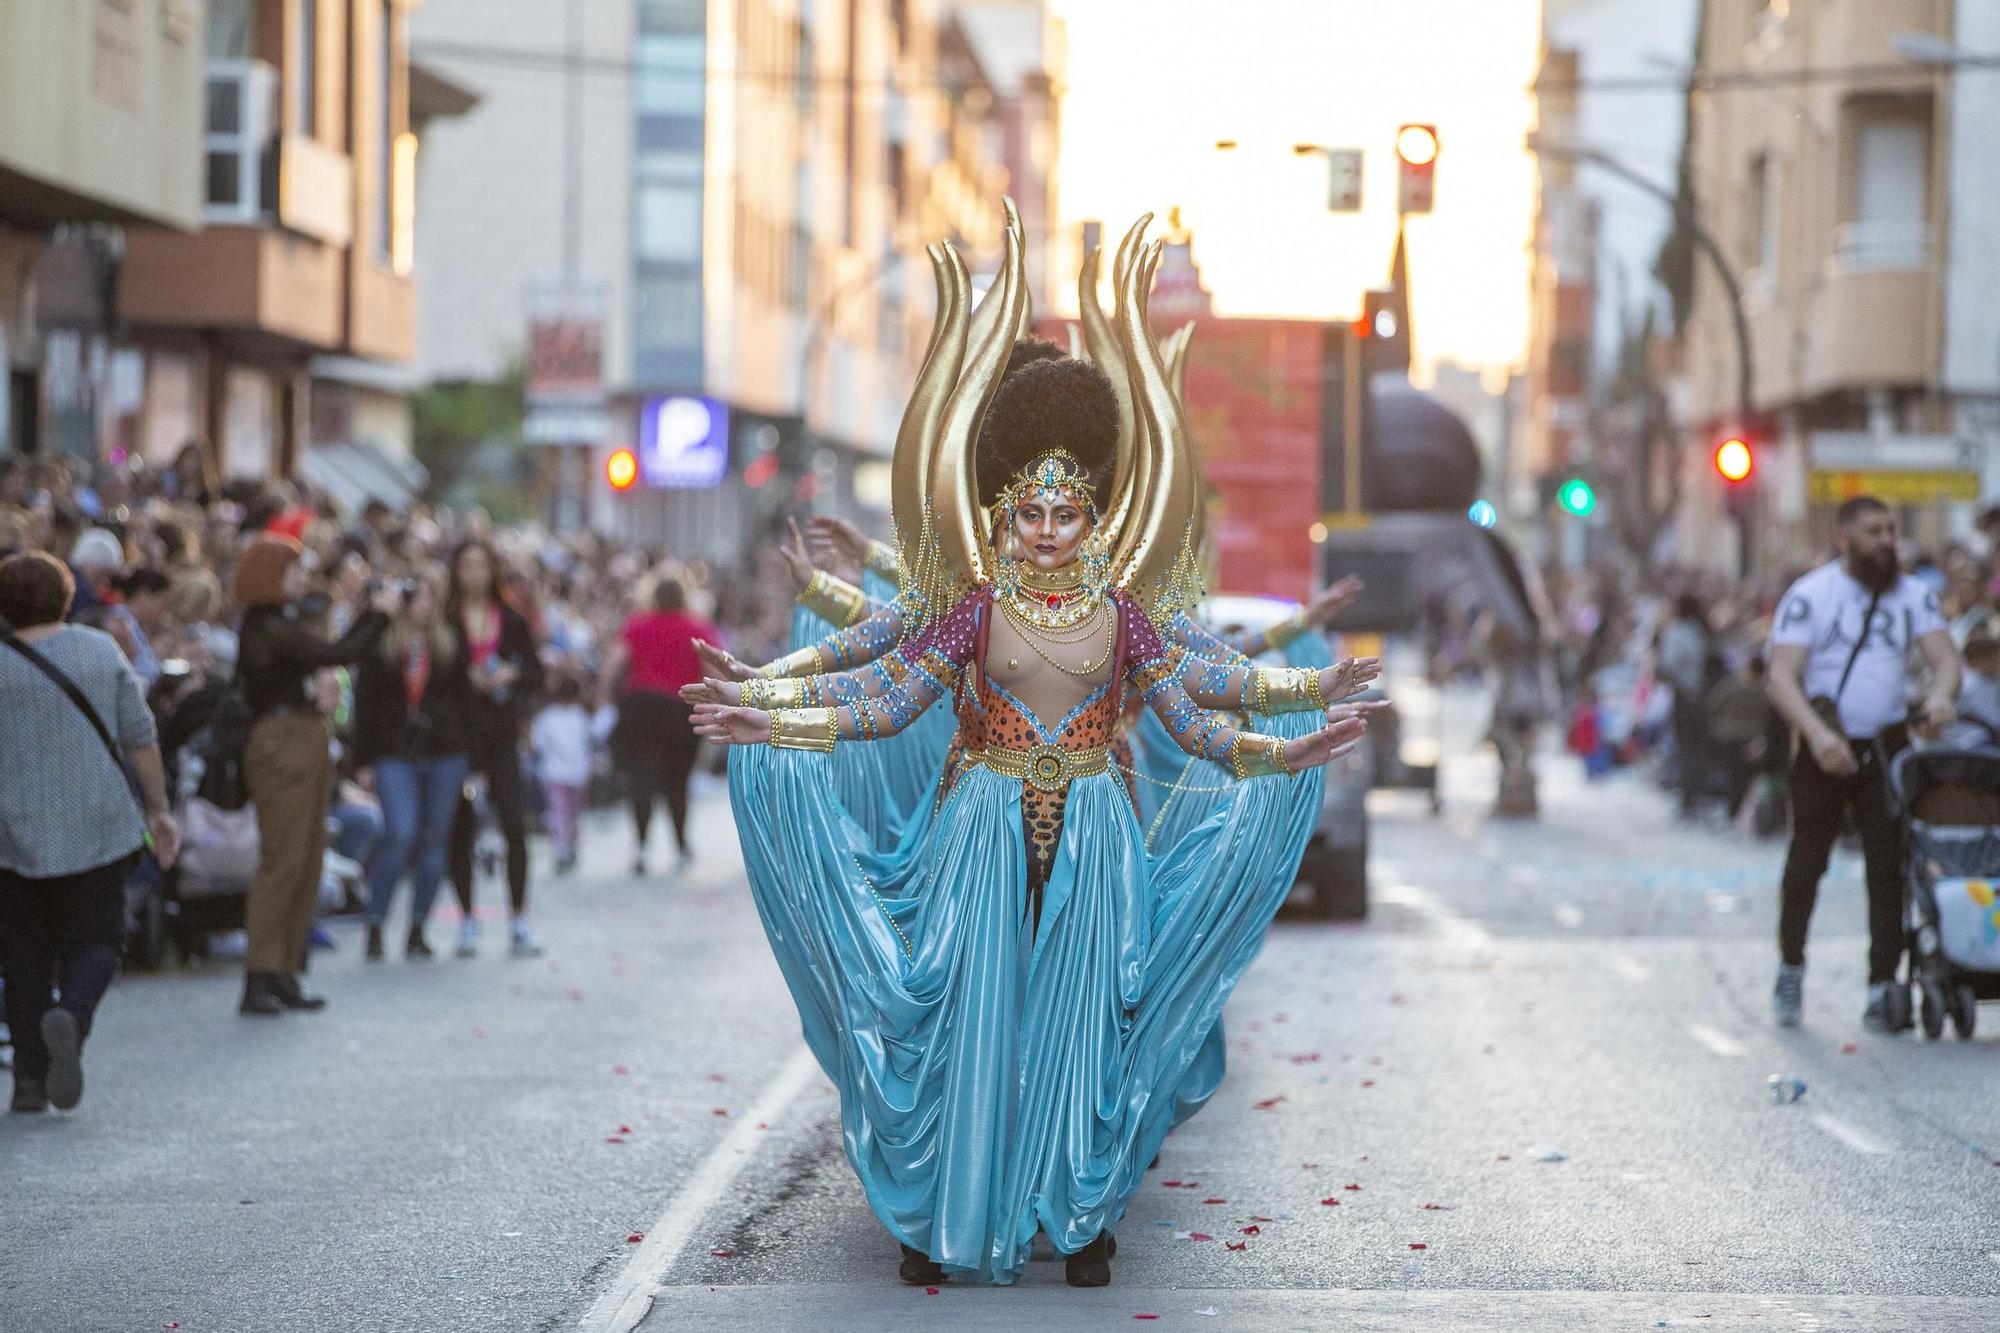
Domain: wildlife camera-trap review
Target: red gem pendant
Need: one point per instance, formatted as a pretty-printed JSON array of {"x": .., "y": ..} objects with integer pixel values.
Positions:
[{"x": 1055, "y": 600}]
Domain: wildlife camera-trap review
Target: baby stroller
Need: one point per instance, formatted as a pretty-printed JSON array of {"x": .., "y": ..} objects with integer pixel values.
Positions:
[{"x": 1950, "y": 801}]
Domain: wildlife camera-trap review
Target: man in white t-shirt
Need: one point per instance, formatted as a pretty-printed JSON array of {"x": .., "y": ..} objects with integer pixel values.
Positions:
[{"x": 1840, "y": 650}]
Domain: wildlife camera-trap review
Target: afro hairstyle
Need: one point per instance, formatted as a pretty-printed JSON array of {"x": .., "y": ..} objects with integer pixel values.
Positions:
[
  {"x": 1054, "y": 403},
  {"x": 1027, "y": 351}
]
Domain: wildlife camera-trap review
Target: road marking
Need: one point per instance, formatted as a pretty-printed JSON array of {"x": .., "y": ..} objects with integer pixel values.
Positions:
[
  {"x": 1723, "y": 1045},
  {"x": 1569, "y": 915},
  {"x": 1630, "y": 968},
  {"x": 629, "y": 1299},
  {"x": 1449, "y": 924},
  {"x": 1859, "y": 1140}
]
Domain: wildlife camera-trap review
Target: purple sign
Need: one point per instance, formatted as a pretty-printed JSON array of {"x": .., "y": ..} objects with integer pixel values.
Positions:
[{"x": 683, "y": 442}]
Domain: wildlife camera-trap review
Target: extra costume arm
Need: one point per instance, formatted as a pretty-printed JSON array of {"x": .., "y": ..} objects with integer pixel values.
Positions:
[
  {"x": 843, "y": 650},
  {"x": 1201, "y": 733},
  {"x": 886, "y": 697}
]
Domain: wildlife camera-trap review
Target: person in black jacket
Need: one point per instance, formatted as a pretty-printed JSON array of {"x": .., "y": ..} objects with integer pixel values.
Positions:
[
  {"x": 504, "y": 664},
  {"x": 411, "y": 698},
  {"x": 287, "y": 762}
]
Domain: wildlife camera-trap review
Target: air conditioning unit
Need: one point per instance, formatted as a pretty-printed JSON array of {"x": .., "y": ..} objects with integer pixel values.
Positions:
[{"x": 240, "y": 143}]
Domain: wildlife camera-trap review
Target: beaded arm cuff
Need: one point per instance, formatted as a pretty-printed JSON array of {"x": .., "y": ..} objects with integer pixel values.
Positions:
[
  {"x": 882, "y": 558},
  {"x": 804, "y": 729},
  {"x": 1255, "y": 755},
  {"x": 836, "y": 599},
  {"x": 1284, "y": 690}
]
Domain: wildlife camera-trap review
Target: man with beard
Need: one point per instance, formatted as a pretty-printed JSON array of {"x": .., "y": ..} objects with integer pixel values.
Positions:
[{"x": 1840, "y": 647}]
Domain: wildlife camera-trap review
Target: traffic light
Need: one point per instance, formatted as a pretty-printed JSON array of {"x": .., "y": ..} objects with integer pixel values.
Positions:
[
  {"x": 621, "y": 469},
  {"x": 1416, "y": 168},
  {"x": 1577, "y": 498},
  {"x": 1735, "y": 460}
]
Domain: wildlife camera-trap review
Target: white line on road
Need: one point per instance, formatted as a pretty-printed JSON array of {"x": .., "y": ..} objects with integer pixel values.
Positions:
[
  {"x": 630, "y": 1297},
  {"x": 1859, "y": 1140},
  {"x": 1457, "y": 929},
  {"x": 1723, "y": 1045},
  {"x": 1568, "y": 915},
  {"x": 1630, "y": 968}
]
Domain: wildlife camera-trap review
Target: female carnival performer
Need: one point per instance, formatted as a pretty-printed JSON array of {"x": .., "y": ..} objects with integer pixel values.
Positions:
[{"x": 1008, "y": 1013}]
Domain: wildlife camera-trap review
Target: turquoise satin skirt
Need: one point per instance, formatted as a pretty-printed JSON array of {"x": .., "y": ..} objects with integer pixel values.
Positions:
[{"x": 997, "y": 1079}]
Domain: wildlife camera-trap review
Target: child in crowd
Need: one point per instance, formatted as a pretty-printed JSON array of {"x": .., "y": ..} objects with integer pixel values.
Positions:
[{"x": 561, "y": 740}]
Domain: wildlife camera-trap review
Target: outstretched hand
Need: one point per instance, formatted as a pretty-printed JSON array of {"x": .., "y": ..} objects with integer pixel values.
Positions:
[
  {"x": 1350, "y": 676},
  {"x": 792, "y": 547},
  {"x": 721, "y": 662},
  {"x": 837, "y": 545},
  {"x": 726, "y": 725},
  {"x": 1333, "y": 599},
  {"x": 1330, "y": 742},
  {"x": 724, "y": 692}
]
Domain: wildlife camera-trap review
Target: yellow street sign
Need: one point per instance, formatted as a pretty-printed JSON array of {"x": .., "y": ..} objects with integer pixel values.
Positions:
[{"x": 1832, "y": 488}]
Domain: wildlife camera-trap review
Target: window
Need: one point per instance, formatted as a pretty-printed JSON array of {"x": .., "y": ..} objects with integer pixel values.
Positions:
[
  {"x": 305, "y": 70},
  {"x": 1760, "y": 248},
  {"x": 231, "y": 33},
  {"x": 666, "y": 310},
  {"x": 385, "y": 130},
  {"x": 671, "y": 74},
  {"x": 672, "y": 15},
  {"x": 668, "y": 222},
  {"x": 1888, "y": 199}
]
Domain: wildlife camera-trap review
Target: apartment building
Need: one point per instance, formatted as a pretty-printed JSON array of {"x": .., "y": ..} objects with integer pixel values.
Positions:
[
  {"x": 757, "y": 181},
  {"x": 1844, "y": 162},
  {"x": 100, "y": 127}
]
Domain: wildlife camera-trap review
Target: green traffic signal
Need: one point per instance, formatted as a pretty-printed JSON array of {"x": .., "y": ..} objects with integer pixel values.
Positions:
[{"x": 1576, "y": 497}]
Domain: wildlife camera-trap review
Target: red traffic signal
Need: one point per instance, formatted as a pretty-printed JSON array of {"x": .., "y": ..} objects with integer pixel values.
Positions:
[
  {"x": 1735, "y": 460},
  {"x": 621, "y": 469},
  {"x": 1416, "y": 167}
]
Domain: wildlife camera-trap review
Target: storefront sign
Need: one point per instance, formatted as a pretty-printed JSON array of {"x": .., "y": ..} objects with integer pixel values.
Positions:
[{"x": 683, "y": 442}]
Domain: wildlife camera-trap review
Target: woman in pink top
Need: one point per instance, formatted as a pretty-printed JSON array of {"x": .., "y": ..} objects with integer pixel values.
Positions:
[{"x": 654, "y": 744}]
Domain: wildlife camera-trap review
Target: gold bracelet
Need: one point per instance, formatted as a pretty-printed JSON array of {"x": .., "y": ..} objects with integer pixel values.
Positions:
[
  {"x": 836, "y": 599},
  {"x": 804, "y": 729},
  {"x": 1314, "y": 691},
  {"x": 882, "y": 558},
  {"x": 1257, "y": 755},
  {"x": 769, "y": 692},
  {"x": 1286, "y": 630},
  {"x": 804, "y": 662},
  {"x": 1285, "y": 690}
]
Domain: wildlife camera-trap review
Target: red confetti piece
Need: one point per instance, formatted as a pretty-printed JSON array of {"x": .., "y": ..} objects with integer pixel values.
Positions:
[
  {"x": 1399, "y": 998},
  {"x": 1235, "y": 1244},
  {"x": 762, "y": 1125},
  {"x": 635, "y": 1238},
  {"x": 722, "y": 1111},
  {"x": 723, "y": 1254},
  {"x": 1145, "y": 1314},
  {"x": 479, "y": 1032},
  {"x": 171, "y": 1324},
  {"x": 1418, "y": 1245},
  {"x": 1253, "y": 1231},
  {"x": 1306, "y": 1058},
  {"x": 1503, "y": 1157},
  {"x": 614, "y": 1139},
  {"x": 624, "y": 1129},
  {"x": 1171, "y": 1184},
  {"x": 1255, "y": 1218},
  {"x": 575, "y": 994},
  {"x": 1850, "y": 1048},
  {"x": 1367, "y": 1082},
  {"x": 930, "y": 1291},
  {"x": 1331, "y": 1203},
  {"x": 1309, "y": 1166},
  {"x": 1199, "y": 1235},
  {"x": 620, "y": 1070},
  {"x": 1355, "y": 1188},
  {"x": 1215, "y": 1201},
  {"x": 717, "y": 1078},
  {"x": 1270, "y": 1103},
  {"x": 1435, "y": 1207}
]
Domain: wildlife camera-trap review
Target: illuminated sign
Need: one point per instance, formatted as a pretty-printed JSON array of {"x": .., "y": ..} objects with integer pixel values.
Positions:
[{"x": 683, "y": 442}]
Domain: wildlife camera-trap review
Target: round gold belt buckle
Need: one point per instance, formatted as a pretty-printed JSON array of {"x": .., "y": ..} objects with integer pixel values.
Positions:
[{"x": 1048, "y": 766}]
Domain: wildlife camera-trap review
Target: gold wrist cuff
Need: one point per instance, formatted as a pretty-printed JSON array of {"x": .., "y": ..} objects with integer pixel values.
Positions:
[
  {"x": 767, "y": 692},
  {"x": 804, "y": 729},
  {"x": 1286, "y": 630},
  {"x": 836, "y": 599},
  {"x": 882, "y": 558},
  {"x": 1285, "y": 690},
  {"x": 1256, "y": 755},
  {"x": 804, "y": 662}
]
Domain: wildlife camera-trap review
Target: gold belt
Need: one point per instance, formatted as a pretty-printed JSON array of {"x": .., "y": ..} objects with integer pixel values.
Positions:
[{"x": 1049, "y": 767}]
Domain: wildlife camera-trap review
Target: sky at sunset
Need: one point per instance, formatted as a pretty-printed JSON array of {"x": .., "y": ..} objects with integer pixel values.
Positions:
[{"x": 1154, "y": 83}]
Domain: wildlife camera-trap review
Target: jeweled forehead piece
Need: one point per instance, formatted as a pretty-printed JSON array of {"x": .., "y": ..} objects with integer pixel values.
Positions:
[{"x": 1052, "y": 472}]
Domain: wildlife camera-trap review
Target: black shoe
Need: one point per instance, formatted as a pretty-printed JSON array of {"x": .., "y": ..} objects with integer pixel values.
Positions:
[
  {"x": 416, "y": 948},
  {"x": 1091, "y": 1265},
  {"x": 918, "y": 1270},
  {"x": 258, "y": 997},
  {"x": 294, "y": 996},
  {"x": 30, "y": 1095},
  {"x": 65, "y": 1042},
  {"x": 374, "y": 950}
]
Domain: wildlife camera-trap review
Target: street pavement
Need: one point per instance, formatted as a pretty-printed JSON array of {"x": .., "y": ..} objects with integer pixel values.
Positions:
[{"x": 1530, "y": 1092}]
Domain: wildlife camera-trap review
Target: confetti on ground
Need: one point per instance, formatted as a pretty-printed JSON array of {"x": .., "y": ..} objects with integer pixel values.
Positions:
[
  {"x": 1367, "y": 1082},
  {"x": 723, "y": 1254},
  {"x": 635, "y": 1238},
  {"x": 620, "y": 1070},
  {"x": 1145, "y": 1314},
  {"x": 1418, "y": 1245},
  {"x": 1253, "y": 1231},
  {"x": 1206, "y": 1312},
  {"x": 717, "y": 1078},
  {"x": 930, "y": 1291},
  {"x": 1330, "y": 1202},
  {"x": 1270, "y": 1103},
  {"x": 614, "y": 1139},
  {"x": 722, "y": 1111},
  {"x": 1235, "y": 1244},
  {"x": 1355, "y": 1188},
  {"x": 1306, "y": 1058},
  {"x": 479, "y": 1032},
  {"x": 1215, "y": 1201},
  {"x": 1256, "y": 1218},
  {"x": 1849, "y": 1048},
  {"x": 1436, "y": 1207}
]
